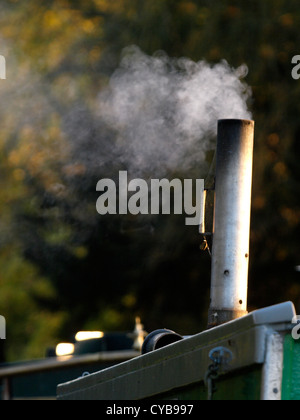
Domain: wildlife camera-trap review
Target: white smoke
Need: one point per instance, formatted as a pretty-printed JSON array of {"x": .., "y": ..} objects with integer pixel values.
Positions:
[{"x": 165, "y": 111}]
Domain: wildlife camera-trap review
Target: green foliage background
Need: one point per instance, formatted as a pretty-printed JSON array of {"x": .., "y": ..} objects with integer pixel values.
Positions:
[{"x": 62, "y": 266}]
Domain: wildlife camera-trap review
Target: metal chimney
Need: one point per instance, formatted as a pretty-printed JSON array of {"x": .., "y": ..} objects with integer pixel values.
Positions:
[{"x": 230, "y": 254}]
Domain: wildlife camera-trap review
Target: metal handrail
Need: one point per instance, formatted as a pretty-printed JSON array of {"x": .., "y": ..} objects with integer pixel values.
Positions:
[{"x": 65, "y": 361}]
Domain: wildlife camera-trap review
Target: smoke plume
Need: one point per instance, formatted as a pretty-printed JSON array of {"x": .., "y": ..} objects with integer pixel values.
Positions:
[{"x": 164, "y": 111}]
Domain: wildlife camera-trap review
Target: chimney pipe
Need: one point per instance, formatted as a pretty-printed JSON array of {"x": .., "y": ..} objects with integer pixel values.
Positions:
[{"x": 230, "y": 254}]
